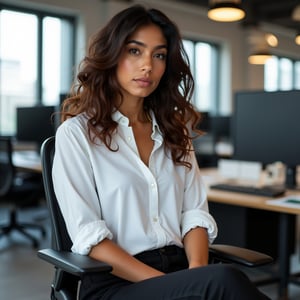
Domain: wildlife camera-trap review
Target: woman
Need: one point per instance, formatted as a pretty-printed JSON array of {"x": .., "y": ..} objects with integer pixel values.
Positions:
[{"x": 124, "y": 172}]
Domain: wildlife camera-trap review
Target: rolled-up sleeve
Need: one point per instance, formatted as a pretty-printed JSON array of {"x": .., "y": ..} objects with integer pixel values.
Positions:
[
  {"x": 195, "y": 218},
  {"x": 195, "y": 209},
  {"x": 89, "y": 235},
  {"x": 75, "y": 189}
]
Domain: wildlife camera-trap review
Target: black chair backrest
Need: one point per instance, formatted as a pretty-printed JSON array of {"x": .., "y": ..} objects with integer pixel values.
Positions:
[
  {"x": 60, "y": 237},
  {"x": 6, "y": 166}
]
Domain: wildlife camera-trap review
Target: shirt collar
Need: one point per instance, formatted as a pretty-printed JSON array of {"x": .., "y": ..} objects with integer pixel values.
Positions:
[
  {"x": 155, "y": 127},
  {"x": 118, "y": 117}
]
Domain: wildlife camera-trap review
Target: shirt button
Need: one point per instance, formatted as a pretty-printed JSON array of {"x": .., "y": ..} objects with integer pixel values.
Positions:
[
  {"x": 155, "y": 219},
  {"x": 153, "y": 185},
  {"x": 129, "y": 138}
]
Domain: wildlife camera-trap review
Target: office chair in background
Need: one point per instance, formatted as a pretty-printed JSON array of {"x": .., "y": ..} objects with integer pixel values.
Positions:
[
  {"x": 69, "y": 267},
  {"x": 17, "y": 192}
]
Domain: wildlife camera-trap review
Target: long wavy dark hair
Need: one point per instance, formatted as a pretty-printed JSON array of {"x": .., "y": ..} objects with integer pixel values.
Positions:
[{"x": 97, "y": 88}]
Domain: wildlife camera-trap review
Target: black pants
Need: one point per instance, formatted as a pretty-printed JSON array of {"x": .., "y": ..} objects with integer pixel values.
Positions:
[{"x": 213, "y": 282}]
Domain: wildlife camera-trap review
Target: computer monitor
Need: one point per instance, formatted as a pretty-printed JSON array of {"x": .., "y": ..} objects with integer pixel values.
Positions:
[
  {"x": 266, "y": 128},
  {"x": 204, "y": 123},
  {"x": 35, "y": 124},
  {"x": 220, "y": 127}
]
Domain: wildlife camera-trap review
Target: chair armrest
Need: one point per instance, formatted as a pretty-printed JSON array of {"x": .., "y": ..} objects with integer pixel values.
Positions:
[
  {"x": 242, "y": 256},
  {"x": 75, "y": 264}
]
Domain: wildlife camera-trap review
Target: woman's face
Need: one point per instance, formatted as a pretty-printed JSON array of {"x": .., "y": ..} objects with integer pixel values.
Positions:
[{"x": 142, "y": 62}]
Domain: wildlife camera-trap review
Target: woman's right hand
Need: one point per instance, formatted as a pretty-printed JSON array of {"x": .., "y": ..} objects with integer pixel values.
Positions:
[{"x": 123, "y": 264}]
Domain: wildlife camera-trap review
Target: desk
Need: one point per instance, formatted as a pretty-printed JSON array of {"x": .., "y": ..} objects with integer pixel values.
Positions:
[
  {"x": 259, "y": 202},
  {"x": 31, "y": 161},
  {"x": 27, "y": 161}
]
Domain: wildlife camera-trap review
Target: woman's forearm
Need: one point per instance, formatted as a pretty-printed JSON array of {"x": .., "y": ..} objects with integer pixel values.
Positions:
[
  {"x": 123, "y": 264},
  {"x": 196, "y": 247}
]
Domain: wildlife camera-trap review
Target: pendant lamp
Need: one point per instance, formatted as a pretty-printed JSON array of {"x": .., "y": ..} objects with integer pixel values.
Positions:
[
  {"x": 225, "y": 11},
  {"x": 297, "y": 38},
  {"x": 259, "y": 57}
]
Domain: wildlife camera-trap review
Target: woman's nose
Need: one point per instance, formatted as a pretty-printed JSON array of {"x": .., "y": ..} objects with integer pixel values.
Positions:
[{"x": 147, "y": 64}]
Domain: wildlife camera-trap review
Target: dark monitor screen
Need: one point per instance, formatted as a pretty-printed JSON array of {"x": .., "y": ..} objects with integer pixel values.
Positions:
[
  {"x": 204, "y": 121},
  {"x": 35, "y": 123},
  {"x": 266, "y": 128},
  {"x": 220, "y": 126}
]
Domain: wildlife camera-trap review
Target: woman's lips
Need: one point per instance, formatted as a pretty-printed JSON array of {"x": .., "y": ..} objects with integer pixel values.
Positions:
[{"x": 143, "y": 82}]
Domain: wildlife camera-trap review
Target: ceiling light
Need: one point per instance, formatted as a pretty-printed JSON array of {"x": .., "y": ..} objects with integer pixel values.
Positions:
[
  {"x": 259, "y": 44},
  {"x": 271, "y": 39},
  {"x": 259, "y": 58},
  {"x": 296, "y": 13},
  {"x": 225, "y": 11},
  {"x": 297, "y": 39}
]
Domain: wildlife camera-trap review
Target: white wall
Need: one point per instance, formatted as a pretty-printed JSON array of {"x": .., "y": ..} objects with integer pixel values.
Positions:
[{"x": 236, "y": 73}]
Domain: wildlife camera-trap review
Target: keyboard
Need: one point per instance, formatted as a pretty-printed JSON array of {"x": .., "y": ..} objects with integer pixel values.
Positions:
[{"x": 268, "y": 191}]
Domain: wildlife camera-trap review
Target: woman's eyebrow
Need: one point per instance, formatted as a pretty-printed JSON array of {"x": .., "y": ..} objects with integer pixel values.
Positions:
[{"x": 144, "y": 45}]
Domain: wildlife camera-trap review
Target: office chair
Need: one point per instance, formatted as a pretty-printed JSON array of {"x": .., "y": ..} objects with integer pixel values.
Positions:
[
  {"x": 17, "y": 192},
  {"x": 69, "y": 267}
]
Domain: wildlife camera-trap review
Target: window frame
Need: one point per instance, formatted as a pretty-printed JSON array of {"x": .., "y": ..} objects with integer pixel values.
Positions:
[
  {"x": 41, "y": 14},
  {"x": 214, "y": 89},
  {"x": 279, "y": 74},
  {"x": 71, "y": 21}
]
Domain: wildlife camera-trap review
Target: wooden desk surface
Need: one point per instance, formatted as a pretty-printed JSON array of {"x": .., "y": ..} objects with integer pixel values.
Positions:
[{"x": 246, "y": 200}]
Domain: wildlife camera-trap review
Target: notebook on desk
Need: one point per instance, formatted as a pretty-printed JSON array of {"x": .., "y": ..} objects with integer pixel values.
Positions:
[{"x": 268, "y": 190}]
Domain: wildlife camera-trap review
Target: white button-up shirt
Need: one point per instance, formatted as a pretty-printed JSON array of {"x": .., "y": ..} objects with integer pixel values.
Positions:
[{"x": 105, "y": 194}]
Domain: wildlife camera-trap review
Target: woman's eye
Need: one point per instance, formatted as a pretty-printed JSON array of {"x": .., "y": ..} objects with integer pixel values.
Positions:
[
  {"x": 161, "y": 56},
  {"x": 134, "y": 51}
]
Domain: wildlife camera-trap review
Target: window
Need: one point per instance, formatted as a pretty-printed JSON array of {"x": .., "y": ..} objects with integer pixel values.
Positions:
[
  {"x": 282, "y": 73},
  {"x": 36, "y": 59},
  {"x": 297, "y": 75},
  {"x": 203, "y": 59}
]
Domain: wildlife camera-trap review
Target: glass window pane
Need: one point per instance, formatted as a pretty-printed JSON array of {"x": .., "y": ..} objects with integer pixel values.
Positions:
[
  {"x": 203, "y": 77},
  {"x": 297, "y": 75},
  {"x": 18, "y": 66},
  {"x": 286, "y": 74},
  {"x": 51, "y": 59},
  {"x": 57, "y": 59},
  {"x": 271, "y": 74},
  {"x": 189, "y": 49},
  {"x": 204, "y": 63}
]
